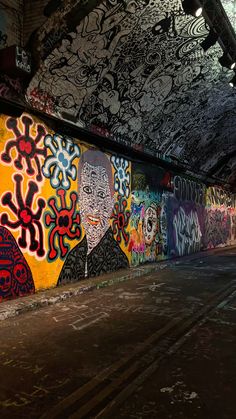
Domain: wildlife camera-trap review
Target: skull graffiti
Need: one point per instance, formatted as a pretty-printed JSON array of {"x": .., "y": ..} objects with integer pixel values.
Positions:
[
  {"x": 5, "y": 281},
  {"x": 150, "y": 224}
]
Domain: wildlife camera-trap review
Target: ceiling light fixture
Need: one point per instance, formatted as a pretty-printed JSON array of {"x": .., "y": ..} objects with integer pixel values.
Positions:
[
  {"x": 192, "y": 7},
  {"x": 232, "y": 82},
  {"x": 227, "y": 61}
]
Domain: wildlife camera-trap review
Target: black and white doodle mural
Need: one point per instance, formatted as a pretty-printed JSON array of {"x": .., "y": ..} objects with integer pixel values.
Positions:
[
  {"x": 135, "y": 70},
  {"x": 230, "y": 8}
]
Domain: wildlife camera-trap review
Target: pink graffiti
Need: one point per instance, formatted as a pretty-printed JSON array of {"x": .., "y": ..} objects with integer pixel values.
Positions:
[{"x": 42, "y": 101}]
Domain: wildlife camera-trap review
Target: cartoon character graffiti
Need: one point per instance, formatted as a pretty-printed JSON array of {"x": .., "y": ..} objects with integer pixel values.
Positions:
[
  {"x": 148, "y": 235},
  {"x": 150, "y": 224},
  {"x": 98, "y": 252},
  {"x": 137, "y": 242}
]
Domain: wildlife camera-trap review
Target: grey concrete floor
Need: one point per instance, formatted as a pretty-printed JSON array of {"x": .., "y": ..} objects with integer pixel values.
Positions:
[{"x": 159, "y": 346}]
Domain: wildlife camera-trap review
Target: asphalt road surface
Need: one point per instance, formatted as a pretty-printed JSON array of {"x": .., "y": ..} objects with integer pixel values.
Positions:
[{"x": 159, "y": 346}]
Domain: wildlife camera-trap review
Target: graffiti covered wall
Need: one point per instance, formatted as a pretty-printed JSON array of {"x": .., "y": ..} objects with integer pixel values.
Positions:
[
  {"x": 186, "y": 216},
  {"x": 176, "y": 216},
  {"x": 64, "y": 208},
  {"x": 69, "y": 211},
  {"x": 148, "y": 225},
  {"x": 219, "y": 219}
]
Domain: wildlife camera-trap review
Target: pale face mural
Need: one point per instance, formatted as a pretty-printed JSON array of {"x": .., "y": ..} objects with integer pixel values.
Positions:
[
  {"x": 96, "y": 196},
  {"x": 69, "y": 211},
  {"x": 98, "y": 252}
]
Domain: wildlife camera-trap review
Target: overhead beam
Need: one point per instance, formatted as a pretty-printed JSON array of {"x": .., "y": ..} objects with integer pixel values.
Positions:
[{"x": 216, "y": 17}]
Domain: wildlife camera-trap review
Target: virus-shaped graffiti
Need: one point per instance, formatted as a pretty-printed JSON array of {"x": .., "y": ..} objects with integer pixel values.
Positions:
[
  {"x": 120, "y": 217},
  {"x": 26, "y": 219},
  {"x": 59, "y": 165},
  {"x": 64, "y": 222},
  {"x": 122, "y": 178},
  {"x": 26, "y": 146}
]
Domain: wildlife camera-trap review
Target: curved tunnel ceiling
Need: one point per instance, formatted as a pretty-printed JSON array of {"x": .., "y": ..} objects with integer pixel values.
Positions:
[
  {"x": 230, "y": 8},
  {"x": 135, "y": 70}
]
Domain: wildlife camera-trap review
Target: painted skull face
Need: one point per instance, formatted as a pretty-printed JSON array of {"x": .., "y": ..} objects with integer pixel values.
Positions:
[
  {"x": 96, "y": 202},
  {"x": 150, "y": 224},
  {"x": 20, "y": 273},
  {"x": 15, "y": 275},
  {"x": 5, "y": 281}
]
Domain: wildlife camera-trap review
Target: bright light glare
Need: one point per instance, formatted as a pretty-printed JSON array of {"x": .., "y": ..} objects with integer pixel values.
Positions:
[
  {"x": 232, "y": 66},
  {"x": 198, "y": 12}
]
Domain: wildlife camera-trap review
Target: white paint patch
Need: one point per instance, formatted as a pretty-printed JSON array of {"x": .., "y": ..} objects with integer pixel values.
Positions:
[
  {"x": 171, "y": 389},
  {"x": 167, "y": 389},
  {"x": 131, "y": 295},
  {"x": 82, "y": 323},
  {"x": 152, "y": 287},
  {"x": 179, "y": 394},
  {"x": 190, "y": 396}
]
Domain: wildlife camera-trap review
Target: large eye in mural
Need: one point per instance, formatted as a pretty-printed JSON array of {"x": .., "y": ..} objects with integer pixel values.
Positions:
[
  {"x": 153, "y": 58},
  {"x": 101, "y": 194},
  {"x": 81, "y": 75},
  {"x": 150, "y": 224},
  {"x": 5, "y": 281},
  {"x": 87, "y": 189},
  {"x": 20, "y": 273}
]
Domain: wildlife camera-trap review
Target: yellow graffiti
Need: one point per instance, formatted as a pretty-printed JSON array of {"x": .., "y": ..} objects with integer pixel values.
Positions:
[{"x": 45, "y": 272}]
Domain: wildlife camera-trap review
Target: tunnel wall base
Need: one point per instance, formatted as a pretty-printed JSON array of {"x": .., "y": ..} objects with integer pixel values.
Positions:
[{"x": 70, "y": 211}]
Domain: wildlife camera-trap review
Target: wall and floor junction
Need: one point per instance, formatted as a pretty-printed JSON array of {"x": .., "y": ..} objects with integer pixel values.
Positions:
[{"x": 70, "y": 211}]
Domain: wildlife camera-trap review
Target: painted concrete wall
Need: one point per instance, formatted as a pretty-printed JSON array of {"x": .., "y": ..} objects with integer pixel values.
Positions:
[
  {"x": 11, "y": 33},
  {"x": 11, "y": 22},
  {"x": 33, "y": 17},
  {"x": 69, "y": 211}
]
